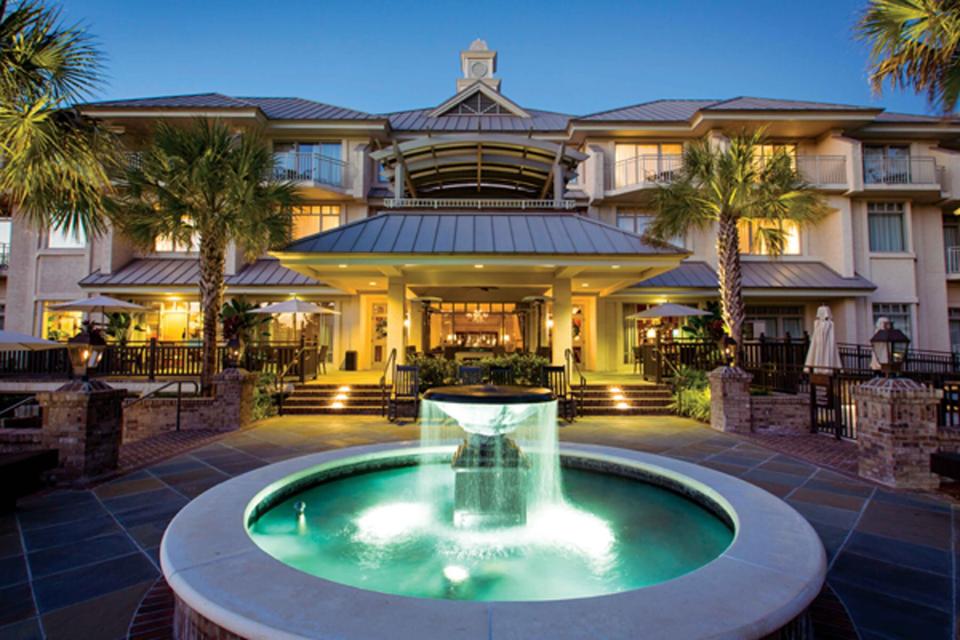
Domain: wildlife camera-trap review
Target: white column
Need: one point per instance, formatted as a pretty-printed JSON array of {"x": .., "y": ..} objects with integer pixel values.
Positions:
[
  {"x": 562, "y": 319},
  {"x": 398, "y": 181},
  {"x": 558, "y": 182},
  {"x": 395, "y": 312}
]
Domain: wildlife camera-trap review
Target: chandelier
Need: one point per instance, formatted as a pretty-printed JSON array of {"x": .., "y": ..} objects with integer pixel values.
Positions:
[{"x": 477, "y": 315}]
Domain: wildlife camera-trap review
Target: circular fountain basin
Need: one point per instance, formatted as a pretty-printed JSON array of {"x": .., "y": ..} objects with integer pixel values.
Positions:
[{"x": 220, "y": 555}]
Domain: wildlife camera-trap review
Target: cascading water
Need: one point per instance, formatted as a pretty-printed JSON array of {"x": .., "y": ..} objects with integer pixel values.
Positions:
[{"x": 484, "y": 515}]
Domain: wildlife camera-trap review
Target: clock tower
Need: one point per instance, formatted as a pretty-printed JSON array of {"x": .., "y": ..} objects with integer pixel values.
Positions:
[{"x": 478, "y": 63}]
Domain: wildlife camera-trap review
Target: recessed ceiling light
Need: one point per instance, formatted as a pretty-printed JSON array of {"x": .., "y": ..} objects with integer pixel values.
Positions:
[
  {"x": 616, "y": 266},
  {"x": 478, "y": 266},
  {"x": 585, "y": 284},
  {"x": 373, "y": 283},
  {"x": 342, "y": 266}
]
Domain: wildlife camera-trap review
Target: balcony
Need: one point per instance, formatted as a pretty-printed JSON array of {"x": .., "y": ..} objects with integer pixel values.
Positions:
[
  {"x": 312, "y": 168},
  {"x": 900, "y": 171},
  {"x": 823, "y": 171},
  {"x": 645, "y": 171},
  {"x": 953, "y": 261}
]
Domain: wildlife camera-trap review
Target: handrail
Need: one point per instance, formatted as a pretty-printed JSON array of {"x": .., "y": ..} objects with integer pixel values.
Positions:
[
  {"x": 581, "y": 379},
  {"x": 179, "y": 383},
  {"x": 282, "y": 375},
  {"x": 17, "y": 405},
  {"x": 391, "y": 361},
  {"x": 477, "y": 203}
]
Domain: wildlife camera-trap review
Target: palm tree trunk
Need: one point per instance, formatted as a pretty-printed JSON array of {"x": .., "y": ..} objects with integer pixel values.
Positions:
[
  {"x": 212, "y": 265},
  {"x": 730, "y": 276}
]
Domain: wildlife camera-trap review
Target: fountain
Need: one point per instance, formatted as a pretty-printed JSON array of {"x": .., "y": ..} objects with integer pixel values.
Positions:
[{"x": 488, "y": 507}]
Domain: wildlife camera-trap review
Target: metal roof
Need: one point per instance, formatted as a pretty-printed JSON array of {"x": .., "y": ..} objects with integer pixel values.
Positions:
[
  {"x": 748, "y": 103},
  {"x": 421, "y": 120},
  {"x": 438, "y": 233},
  {"x": 272, "y": 108},
  {"x": 683, "y": 110},
  {"x": 265, "y": 272},
  {"x": 779, "y": 274}
]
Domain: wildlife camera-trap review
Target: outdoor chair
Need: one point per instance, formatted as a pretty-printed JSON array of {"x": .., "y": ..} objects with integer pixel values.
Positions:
[
  {"x": 554, "y": 377},
  {"x": 637, "y": 359},
  {"x": 545, "y": 352},
  {"x": 404, "y": 392},
  {"x": 502, "y": 375},
  {"x": 469, "y": 375},
  {"x": 449, "y": 353}
]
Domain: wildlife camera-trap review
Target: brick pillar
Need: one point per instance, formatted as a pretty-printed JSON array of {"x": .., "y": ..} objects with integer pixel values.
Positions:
[
  {"x": 233, "y": 390},
  {"x": 84, "y": 421},
  {"x": 897, "y": 432},
  {"x": 730, "y": 399}
]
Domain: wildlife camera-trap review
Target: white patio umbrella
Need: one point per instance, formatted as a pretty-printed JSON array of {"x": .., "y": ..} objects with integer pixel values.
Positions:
[
  {"x": 13, "y": 341},
  {"x": 667, "y": 310},
  {"x": 823, "y": 356},
  {"x": 98, "y": 304},
  {"x": 296, "y": 306}
]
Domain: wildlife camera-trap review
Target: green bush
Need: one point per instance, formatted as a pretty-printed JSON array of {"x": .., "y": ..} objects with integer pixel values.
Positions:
[
  {"x": 437, "y": 372},
  {"x": 263, "y": 396},
  {"x": 691, "y": 394}
]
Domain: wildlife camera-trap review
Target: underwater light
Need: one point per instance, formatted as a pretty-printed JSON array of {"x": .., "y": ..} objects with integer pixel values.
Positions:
[{"x": 455, "y": 573}]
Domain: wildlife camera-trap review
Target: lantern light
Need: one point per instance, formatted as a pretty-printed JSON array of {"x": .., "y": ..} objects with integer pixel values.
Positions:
[
  {"x": 85, "y": 350},
  {"x": 728, "y": 347},
  {"x": 890, "y": 348}
]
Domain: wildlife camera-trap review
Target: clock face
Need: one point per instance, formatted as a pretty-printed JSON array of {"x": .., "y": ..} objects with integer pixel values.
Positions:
[{"x": 478, "y": 69}]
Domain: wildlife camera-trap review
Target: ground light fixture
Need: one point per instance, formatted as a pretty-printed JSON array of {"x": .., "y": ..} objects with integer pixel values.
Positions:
[
  {"x": 890, "y": 349},
  {"x": 85, "y": 350}
]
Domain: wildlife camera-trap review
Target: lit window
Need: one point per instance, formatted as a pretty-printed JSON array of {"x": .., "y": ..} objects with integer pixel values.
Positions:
[
  {"x": 642, "y": 163},
  {"x": 167, "y": 244},
  {"x": 62, "y": 239},
  {"x": 60, "y": 325},
  {"x": 773, "y": 322},
  {"x": 885, "y": 221},
  {"x": 897, "y": 313},
  {"x": 752, "y": 241},
  {"x": 314, "y": 218}
]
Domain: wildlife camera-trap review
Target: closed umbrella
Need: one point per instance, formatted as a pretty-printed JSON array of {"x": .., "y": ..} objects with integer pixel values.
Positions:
[
  {"x": 823, "y": 356},
  {"x": 13, "y": 341}
]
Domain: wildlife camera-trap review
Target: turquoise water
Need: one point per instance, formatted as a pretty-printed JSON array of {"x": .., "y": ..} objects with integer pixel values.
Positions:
[{"x": 373, "y": 531}]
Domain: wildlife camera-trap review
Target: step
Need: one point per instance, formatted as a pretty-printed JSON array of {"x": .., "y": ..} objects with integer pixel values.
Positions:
[
  {"x": 335, "y": 387},
  {"x": 332, "y": 394},
  {"x": 635, "y": 411},
  {"x": 325, "y": 410}
]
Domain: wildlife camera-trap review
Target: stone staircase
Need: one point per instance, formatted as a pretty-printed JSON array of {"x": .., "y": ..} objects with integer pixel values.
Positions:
[
  {"x": 626, "y": 399},
  {"x": 320, "y": 399},
  {"x": 364, "y": 399}
]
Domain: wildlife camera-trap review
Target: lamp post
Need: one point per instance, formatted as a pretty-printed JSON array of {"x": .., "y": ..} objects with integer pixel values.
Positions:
[
  {"x": 728, "y": 347},
  {"x": 85, "y": 350},
  {"x": 890, "y": 349}
]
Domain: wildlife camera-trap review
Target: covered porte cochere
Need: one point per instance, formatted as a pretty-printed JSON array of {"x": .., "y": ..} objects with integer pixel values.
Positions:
[{"x": 477, "y": 283}]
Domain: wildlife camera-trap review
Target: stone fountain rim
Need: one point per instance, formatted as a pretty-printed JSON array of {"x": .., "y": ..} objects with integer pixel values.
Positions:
[
  {"x": 489, "y": 394},
  {"x": 219, "y": 573}
]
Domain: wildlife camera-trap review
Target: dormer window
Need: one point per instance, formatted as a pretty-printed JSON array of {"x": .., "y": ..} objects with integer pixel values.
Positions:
[{"x": 479, "y": 104}]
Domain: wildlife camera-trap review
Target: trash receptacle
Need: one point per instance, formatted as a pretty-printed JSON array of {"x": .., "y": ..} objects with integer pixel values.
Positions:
[{"x": 350, "y": 361}]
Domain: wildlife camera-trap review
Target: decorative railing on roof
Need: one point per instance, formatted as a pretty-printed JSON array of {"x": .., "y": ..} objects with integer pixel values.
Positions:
[{"x": 476, "y": 203}]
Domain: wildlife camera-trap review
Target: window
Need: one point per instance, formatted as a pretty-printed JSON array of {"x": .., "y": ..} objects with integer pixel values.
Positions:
[
  {"x": 319, "y": 162},
  {"x": 634, "y": 221},
  {"x": 62, "y": 239},
  {"x": 382, "y": 173},
  {"x": 639, "y": 163},
  {"x": 752, "y": 241},
  {"x": 167, "y": 244},
  {"x": 60, "y": 325},
  {"x": 954, "y": 329},
  {"x": 951, "y": 243},
  {"x": 314, "y": 218},
  {"x": 773, "y": 322},
  {"x": 886, "y": 228},
  {"x": 5, "y": 230},
  {"x": 3, "y": 316},
  {"x": 886, "y": 164},
  {"x": 897, "y": 313},
  {"x": 765, "y": 151}
]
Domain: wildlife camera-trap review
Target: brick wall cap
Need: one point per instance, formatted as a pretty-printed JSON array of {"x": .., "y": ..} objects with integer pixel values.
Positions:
[{"x": 729, "y": 373}]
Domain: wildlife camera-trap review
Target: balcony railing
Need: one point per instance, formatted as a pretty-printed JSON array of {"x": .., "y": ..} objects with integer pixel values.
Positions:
[
  {"x": 905, "y": 170},
  {"x": 823, "y": 170},
  {"x": 646, "y": 169},
  {"x": 311, "y": 167},
  {"x": 476, "y": 203},
  {"x": 953, "y": 260}
]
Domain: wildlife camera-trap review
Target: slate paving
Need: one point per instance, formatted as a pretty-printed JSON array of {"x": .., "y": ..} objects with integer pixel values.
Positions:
[{"x": 79, "y": 564}]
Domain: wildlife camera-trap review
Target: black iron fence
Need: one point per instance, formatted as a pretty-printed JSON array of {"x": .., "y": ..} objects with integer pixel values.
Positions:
[{"x": 156, "y": 359}]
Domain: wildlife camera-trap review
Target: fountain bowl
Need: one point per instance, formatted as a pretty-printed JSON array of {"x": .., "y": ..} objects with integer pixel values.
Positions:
[
  {"x": 488, "y": 410},
  {"x": 226, "y": 584}
]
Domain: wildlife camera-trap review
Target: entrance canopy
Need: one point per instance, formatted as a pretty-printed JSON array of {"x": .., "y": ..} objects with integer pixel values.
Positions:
[
  {"x": 496, "y": 165},
  {"x": 447, "y": 249}
]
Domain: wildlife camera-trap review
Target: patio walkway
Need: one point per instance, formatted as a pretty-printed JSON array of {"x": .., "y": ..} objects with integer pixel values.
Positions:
[{"x": 78, "y": 564}]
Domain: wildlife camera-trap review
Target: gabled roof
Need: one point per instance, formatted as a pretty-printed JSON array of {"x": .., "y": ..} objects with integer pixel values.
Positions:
[
  {"x": 422, "y": 120},
  {"x": 748, "y": 103},
  {"x": 272, "y": 108},
  {"x": 516, "y": 233},
  {"x": 774, "y": 274},
  {"x": 186, "y": 272},
  {"x": 478, "y": 89}
]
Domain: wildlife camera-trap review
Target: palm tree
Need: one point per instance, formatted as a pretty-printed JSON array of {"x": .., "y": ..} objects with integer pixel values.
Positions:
[
  {"x": 727, "y": 184},
  {"x": 915, "y": 44},
  {"x": 204, "y": 182},
  {"x": 56, "y": 165}
]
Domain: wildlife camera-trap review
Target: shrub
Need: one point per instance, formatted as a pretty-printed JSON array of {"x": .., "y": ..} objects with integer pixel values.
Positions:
[
  {"x": 691, "y": 394},
  {"x": 437, "y": 372},
  {"x": 263, "y": 396}
]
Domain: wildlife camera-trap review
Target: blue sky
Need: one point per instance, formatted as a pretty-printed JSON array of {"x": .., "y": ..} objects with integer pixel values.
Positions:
[{"x": 575, "y": 57}]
